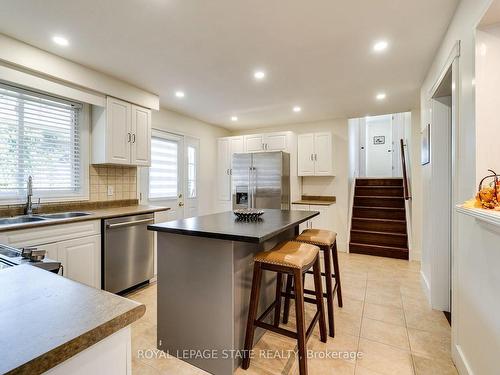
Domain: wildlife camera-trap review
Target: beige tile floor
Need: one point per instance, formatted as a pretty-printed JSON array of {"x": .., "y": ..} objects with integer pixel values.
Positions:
[{"x": 385, "y": 318}]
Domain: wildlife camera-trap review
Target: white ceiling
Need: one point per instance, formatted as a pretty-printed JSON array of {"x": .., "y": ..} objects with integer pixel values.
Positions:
[{"x": 317, "y": 54}]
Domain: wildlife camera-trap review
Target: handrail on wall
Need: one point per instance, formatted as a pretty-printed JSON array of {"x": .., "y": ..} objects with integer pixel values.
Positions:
[{"x": 405, "y": 175}]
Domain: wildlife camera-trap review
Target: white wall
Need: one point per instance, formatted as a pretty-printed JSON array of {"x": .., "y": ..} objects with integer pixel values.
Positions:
[
  {"x": 337, "y": 185},
  {"x": 475, "y": 325},
  {"x": 487, "y": 100},
  {"x": 173, "y": 122},
  {"x": 38, "y": 62}
]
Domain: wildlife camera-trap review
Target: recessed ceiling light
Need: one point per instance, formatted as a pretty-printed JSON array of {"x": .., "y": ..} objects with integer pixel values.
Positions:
[
  {"x": 180, "y": 94},
  {"x": 380, "y": 46},
  {"x": 381, "y": 96},
  {"x": 297, "y": 109},
  {"x": 259, "y": 75},
  {"x": 234, "y": 118},
  {"x": 62, "y": 41}
]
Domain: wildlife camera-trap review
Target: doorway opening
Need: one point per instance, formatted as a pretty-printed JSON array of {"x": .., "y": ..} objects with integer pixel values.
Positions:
[
  {"x": 439, "y": 242},
  {"x": 379, "y": 144}
]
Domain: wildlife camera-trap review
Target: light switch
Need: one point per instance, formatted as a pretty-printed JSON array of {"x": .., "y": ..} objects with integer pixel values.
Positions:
[{"x": 110, "y": 190}]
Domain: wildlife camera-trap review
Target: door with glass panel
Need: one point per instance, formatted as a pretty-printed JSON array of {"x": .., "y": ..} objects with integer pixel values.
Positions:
[
  {"x": 191, "y": 162},
  {"x": 172, "y": 179}
]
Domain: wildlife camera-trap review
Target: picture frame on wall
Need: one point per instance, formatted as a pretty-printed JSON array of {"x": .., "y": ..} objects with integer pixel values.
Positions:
[{"x": 426, "y": 145}]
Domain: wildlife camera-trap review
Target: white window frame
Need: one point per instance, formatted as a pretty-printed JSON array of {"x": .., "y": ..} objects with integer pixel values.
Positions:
[{"x": 84, "y": 130}]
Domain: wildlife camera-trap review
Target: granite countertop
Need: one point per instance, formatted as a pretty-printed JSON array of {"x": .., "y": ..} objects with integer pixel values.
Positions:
[
  {"x": 320, "y": 200},
  {"x": 101, "y": 213},
  {"x": 225, "y": 226},
  {"x": 45, "y": 319}
]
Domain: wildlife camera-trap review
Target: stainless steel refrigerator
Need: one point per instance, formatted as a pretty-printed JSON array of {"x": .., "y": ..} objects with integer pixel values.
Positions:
[{"x": 261, "y": 180}]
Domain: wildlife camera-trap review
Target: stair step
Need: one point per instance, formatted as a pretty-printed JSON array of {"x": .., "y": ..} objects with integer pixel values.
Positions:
[
  {"x": 395, "y": 202},
  {"x": 387, "y": 191},
  {"x": 379, "y": 182},
  {"x": 379, "y": 238},
  {"x": 383, "y": 251},
  {"x": 379, "y": 213},
  {"x": 379, "y": 225}
]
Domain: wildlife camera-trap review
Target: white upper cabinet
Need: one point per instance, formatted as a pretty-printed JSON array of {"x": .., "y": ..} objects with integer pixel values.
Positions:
[
  {"x": 141, "y": 136},
  {"x": 254, "y": 143},
  {"x": 323, "y": 154},
  {"x": 226, "y": 147},
  {"x": 121, "y": 134},
  {"x": 118, "y": 131},
  {"x": 266, "y": 142},
  {"x": 315, "y": 154},
  {"x": 305, "y": 154}
]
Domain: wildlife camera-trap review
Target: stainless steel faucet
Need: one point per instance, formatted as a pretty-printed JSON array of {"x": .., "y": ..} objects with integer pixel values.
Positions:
[{"x": 28, "y": 210}]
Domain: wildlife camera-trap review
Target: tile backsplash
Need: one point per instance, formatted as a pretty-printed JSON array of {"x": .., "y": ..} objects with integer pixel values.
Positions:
[{"x": 122, "y": 180}]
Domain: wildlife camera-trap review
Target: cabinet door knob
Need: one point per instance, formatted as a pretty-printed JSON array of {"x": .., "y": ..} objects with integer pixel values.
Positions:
[
  {"x": 133, "y": 138},
  {"x": 312, "y": 157},
  {"x": 129, "y": 137}
]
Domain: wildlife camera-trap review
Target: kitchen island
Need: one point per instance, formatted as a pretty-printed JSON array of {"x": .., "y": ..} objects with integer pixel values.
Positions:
[{"x": 205, "y": 266}]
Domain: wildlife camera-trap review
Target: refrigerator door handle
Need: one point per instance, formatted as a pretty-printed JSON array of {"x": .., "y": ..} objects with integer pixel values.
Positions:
[
  {"x": 250, "y": 187},
  {"x": 254, "y": 193}
]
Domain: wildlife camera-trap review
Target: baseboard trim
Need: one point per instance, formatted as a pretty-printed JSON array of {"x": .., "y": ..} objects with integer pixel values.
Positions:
[
  {"x": 426, "y": 286},
  {"x": 460, "y": 361}
]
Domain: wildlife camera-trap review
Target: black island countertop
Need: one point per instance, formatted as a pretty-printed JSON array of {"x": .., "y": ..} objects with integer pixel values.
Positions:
[{"x": 225, "y": 226}]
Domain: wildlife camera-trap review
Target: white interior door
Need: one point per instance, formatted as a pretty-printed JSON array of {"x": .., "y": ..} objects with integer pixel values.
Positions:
[
  {"x": 379, "y": 146},
  {"x": 362, "y": 147}
]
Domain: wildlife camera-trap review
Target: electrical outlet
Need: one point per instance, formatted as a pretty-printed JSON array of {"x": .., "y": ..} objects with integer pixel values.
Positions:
[{"x": 110, "y": 191}]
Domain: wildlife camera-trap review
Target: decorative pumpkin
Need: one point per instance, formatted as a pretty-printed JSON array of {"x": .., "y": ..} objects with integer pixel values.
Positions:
[{"x": 489, "y": 196}]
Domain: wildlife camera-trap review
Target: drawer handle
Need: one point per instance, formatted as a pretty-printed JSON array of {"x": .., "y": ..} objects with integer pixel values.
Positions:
[{"x": 126, "y": 224}]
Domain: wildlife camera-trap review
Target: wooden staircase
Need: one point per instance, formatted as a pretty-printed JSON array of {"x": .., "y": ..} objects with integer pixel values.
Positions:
[{"x": 379, "y": 219}]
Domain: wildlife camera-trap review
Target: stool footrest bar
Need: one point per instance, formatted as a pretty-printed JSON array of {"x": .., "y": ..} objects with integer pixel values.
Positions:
[{"x": 281, "y": 331}]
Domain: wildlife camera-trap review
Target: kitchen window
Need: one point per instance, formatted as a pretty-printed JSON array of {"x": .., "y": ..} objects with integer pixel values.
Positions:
[
  {"x": 163, "y": 173},
  {"x": 41, "y": 136}
]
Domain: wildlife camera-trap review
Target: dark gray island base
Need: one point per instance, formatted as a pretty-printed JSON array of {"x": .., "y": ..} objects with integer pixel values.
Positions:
[{"x": 205, "y": 268}]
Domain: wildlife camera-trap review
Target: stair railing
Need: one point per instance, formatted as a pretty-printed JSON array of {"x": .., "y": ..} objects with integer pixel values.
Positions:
[{"x": 406, "y": 188}]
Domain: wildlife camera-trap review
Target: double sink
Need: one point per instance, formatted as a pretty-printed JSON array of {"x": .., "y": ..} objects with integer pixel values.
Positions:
[{"x": 36, "y": 218}]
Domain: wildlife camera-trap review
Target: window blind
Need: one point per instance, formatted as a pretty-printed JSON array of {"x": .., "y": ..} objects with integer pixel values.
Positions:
[
  {"x": 39, "y": 137},
  {"x": 163, "y": 173}
]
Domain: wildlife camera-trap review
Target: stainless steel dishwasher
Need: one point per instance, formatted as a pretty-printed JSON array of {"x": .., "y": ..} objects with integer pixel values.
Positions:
[{"x": 127, "y": 252}]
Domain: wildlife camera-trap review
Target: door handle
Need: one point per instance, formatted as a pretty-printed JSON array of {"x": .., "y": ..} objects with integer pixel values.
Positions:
[
  {"x": 128, "y": 223},
  {"x": 312, "y": 157},
  {"x": 181, "y": 204},
  {"x": 133, "y": 138},
  {"x": 129, "y": 137}
]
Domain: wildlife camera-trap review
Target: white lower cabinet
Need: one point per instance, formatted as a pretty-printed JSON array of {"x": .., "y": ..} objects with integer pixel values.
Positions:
[
  {"x": 323, "y": 221},
  {"x": 81, "y": 259},
  {"x": 77, "y": 246}
]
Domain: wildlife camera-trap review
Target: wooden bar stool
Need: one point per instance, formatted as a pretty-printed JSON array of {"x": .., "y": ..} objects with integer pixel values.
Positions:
[
  {"x": 327, "y": 241},
  {"x": 293, "y": 259}
]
